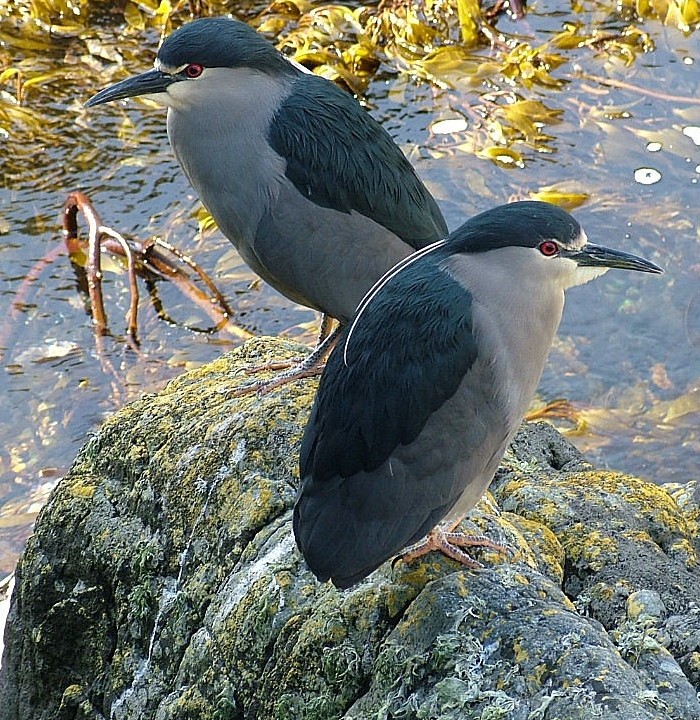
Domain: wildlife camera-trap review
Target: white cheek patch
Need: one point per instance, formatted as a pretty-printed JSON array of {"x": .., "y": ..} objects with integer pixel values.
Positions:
[
  {"x": 179, "y": 92},
  {"x": 184, "y": 93},
  {"x": 585, "y": 273},
  {"x": 161, "y": 98}
]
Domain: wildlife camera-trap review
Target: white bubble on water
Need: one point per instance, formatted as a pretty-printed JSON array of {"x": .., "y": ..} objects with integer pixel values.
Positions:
[{"x": 647, "y": 176}]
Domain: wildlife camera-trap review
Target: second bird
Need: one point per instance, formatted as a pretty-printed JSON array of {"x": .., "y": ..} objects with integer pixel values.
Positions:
[
  {"x": 312, "y": 191},
  {"x": 427, "y": 386}
]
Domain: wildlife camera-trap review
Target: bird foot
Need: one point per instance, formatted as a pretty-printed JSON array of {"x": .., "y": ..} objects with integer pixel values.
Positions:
[
  {"x": 451, "y": 544},
  {"x": 309, "y": 366},
  {"x": 295, "y": 371},
  {"x": 274, "y": 366}
]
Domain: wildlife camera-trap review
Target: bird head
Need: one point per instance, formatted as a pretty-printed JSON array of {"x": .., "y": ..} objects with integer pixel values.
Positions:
[
  {"x": 190, "y": 62},
  {"x": 544, "y": 242}
]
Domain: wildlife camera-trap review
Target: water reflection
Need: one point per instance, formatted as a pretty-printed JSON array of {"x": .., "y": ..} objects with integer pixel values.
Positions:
[{"x": 693, "y": 132}]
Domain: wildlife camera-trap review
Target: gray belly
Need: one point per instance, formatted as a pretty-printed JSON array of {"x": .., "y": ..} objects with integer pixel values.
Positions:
[
  {"x": 319, "y": 257},
  {"x": 315, "y": 256}
]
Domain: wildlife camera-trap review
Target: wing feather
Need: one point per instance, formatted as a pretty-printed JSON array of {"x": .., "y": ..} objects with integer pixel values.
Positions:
[
  {"x": 406, "y": 356},
  {"x": 352, "y": 163}
]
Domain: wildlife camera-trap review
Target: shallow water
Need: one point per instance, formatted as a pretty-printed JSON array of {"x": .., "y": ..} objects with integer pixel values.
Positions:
[{"x": 628, "y": 351}]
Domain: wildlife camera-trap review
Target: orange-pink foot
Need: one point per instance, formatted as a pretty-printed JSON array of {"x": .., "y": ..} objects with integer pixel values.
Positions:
[
  {"x": 451, "y": 543},
  {"x": 310, "y": 366},
  {"x": 261, "y": 387},
  {"x": 273, "y": 366}
]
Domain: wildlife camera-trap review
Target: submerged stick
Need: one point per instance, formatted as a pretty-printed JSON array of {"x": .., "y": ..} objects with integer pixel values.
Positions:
[
  {"x": 152, "y": 256},
  {"x": 622, "y": 85},
  {"x": 79, "y": 201}
]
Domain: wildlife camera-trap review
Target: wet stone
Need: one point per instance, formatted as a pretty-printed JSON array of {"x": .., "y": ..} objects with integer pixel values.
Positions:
[{"x": 162, "y": 581}]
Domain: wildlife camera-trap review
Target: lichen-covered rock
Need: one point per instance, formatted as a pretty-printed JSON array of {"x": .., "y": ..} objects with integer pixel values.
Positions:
[{"x": 162, "y": 581}]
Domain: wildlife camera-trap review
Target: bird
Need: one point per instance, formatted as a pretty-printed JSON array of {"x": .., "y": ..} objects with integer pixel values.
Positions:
[
  {"x": 312, "y": 191},
  {"x": 428, "y": 384}
]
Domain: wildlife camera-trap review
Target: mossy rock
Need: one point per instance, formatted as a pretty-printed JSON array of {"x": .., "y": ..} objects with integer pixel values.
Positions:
[{"x": 162, "y": 581}]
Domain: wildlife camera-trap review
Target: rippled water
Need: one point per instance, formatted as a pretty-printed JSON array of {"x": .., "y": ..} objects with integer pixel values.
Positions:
[{"x": 628, "y": 352}]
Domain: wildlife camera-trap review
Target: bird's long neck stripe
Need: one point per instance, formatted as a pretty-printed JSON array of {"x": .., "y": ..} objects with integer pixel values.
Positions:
[
  {"x": 298, "y": 65},
  {"x": 383, "y": 280}
]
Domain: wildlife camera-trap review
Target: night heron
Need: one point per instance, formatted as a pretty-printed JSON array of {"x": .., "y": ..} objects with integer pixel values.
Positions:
[
  {"x": 429, "y": 383},
  {"x": 315, "y": 195}
]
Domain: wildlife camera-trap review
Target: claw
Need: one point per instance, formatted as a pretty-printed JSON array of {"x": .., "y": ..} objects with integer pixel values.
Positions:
[
  {"x": 273, "y": 366},
  {"x": 295, "y": 369},
  {"x": 450, "y": 543},
  {"x": 295, "y": 372}
]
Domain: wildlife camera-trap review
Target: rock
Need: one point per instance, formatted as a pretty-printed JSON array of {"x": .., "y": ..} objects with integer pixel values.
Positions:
[{"x": 162, "y": 581}]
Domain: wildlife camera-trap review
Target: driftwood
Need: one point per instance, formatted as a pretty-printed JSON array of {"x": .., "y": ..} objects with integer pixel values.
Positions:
[{"x": 152, "y": 258}]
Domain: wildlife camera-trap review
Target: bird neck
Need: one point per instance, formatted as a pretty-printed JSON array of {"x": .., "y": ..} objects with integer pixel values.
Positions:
[
  {"x": 516, "y": 316},
  {"x": 225, "y": 152}
]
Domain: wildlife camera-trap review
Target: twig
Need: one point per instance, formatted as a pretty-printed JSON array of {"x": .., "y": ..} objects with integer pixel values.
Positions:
[
  {"x": 220, "y": 313},
  {"x": 610, "y": 82},
  {"x": 131, "y": 317},
  {"x": 142, "y": 257},
  {"x": 80, "y": 201},
  {"x": 191, "y": 263}
]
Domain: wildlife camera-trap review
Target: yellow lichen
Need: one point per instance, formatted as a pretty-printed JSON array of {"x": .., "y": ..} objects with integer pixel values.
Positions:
[
  {"x": 538, "y": 674},
  {"x": 592, "y": 547},
  {"x": 538, "y": 545},
  {"x": 651, "y": 501},
  {"x": 521, "y": 655},
  {"x": 80, "y": 487}
]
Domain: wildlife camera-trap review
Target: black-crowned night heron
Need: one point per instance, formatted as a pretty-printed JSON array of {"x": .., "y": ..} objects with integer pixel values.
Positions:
[
  {"x": 429, "y": 383},
  {"x": 315, "y": 195}
]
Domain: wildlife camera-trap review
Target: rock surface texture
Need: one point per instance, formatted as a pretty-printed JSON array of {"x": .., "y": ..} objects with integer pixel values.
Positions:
[{"x": 162, "y": 581}]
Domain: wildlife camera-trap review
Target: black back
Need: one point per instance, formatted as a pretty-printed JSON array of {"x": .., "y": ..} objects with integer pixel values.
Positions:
[
  {"x": 341, "y": 158},
  {"x": 407, "y": 354}
]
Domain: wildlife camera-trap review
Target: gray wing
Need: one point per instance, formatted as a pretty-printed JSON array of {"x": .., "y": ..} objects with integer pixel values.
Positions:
[
  {"x": 341, "y": 158},
  {"x": 406, "y": 355}
]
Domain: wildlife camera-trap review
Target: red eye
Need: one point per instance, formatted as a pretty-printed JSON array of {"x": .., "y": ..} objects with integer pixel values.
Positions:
[
  {"x": 194, "y": 70},
  {"x": 549, "y": 248}
]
